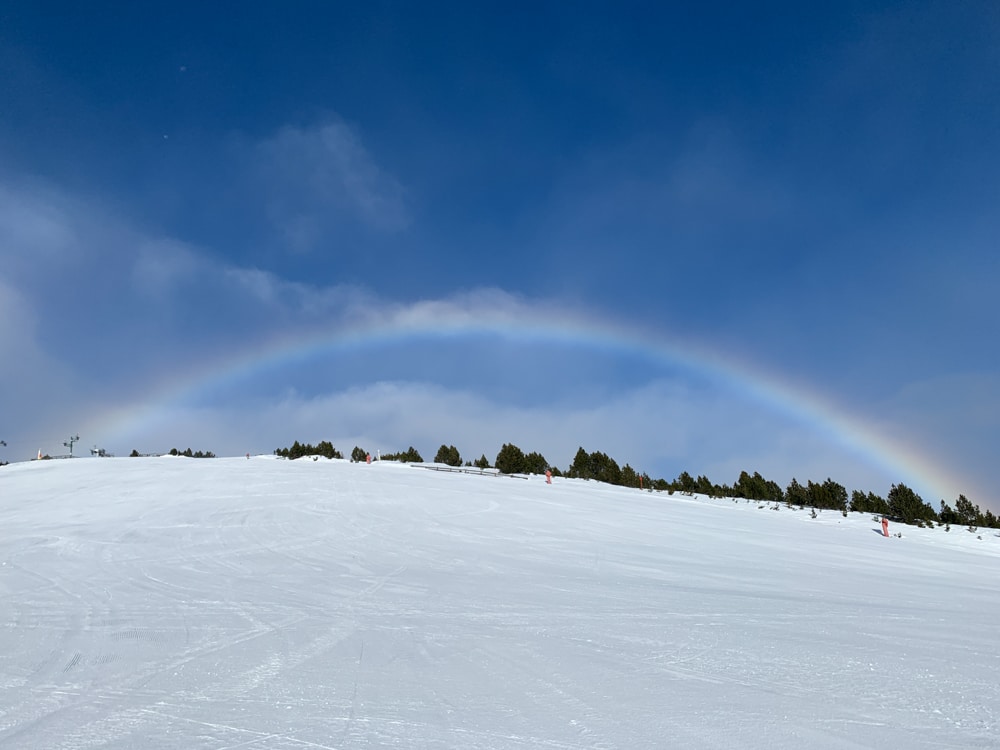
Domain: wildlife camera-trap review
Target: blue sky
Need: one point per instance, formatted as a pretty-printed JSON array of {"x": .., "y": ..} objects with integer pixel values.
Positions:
[{"x": 804, "y": 197}]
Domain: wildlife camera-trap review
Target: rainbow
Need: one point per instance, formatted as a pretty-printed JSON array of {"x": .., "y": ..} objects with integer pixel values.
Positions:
[{"x": 504, "y": 317}]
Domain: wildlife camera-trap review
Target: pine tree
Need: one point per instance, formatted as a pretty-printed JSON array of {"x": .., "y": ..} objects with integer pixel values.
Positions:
[
  {"x": 685, "y": 483},
  {"x": 604, "y": 468},
  {"x": 868, "y": 503},
  {"x": 580, "y": 468},
  {"x": 535, "y": 463},
  {"x": 448, "y": 454},
  {"x": 510, "y": 459},
  {"x": 968, "y": 514},
  {"x": 908, "y": 506},
  {"x": 796, "y": 494},
  {"x": 704, "y": 486}
]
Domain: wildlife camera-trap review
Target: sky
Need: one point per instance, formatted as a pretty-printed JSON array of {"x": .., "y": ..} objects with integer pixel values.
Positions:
[{"x": 706, "y": 239}]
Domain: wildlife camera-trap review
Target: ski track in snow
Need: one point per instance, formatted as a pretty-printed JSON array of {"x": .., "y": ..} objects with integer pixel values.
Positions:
[{"x": 227, "y": 603}]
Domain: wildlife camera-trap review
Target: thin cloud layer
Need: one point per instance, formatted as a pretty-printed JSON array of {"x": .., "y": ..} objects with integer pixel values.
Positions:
[
  {"x": 662, "y": 428},
  {"x": 314, "y": 180}
]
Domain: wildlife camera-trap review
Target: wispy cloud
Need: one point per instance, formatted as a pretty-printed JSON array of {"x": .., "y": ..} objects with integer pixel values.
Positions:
[
  {"x": 33, "y": 224},
  {"x": 162, "y": 268},
  {"x": 316, "y": 179}
]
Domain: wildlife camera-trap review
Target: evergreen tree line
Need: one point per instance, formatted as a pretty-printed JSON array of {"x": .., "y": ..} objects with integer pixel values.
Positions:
[
  {"x": 298, "y": 450},
  {"x": 410, "y": 456},
  {"x": 325, "y": 448},
  {"x": 196, "y": 454},
  {"x": 173, "y": 452},
  {"x": 902, "y": 504}
]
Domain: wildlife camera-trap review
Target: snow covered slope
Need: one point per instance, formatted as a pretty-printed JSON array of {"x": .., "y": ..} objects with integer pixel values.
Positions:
[{"x": 224, "y": 603}]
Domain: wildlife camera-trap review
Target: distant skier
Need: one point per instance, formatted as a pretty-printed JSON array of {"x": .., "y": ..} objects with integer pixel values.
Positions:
[{"x": 885, "y": 526}]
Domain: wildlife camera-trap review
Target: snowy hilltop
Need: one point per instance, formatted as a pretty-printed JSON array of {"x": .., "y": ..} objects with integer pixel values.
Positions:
[{"x": 263, "y": 603}]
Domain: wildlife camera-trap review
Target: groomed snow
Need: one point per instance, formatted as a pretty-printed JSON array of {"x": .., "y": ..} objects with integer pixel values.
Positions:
[{"x": 234, "y": 603}]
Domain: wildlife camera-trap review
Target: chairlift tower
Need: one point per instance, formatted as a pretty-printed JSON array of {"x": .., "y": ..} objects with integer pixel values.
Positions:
[{"x": 69, "y": 443}]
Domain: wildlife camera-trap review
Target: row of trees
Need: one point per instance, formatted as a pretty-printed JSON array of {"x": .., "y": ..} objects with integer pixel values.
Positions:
[
  {"x": 902, "y": 503},
  {"x": 358, "y": 454},
  {"x": 512, "y": 460},
  {"x": 196, "y": 454},
  {"x": 410, "y": 456},
  {"x": 602, "y": 468},
  {"x": 967, "y": 514},
  {"x": 298, "y": 450},
  {"x": 173, "y": 452}
]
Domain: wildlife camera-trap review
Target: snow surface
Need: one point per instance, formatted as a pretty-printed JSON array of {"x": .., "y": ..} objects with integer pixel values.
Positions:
[{"x": 234, "y": 603}]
